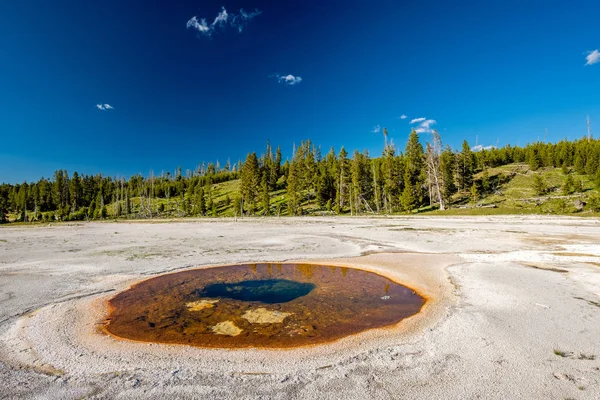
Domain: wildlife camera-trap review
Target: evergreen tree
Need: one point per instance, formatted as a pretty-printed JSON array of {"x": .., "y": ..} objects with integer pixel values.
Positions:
[
  {"x": 391, "y": 178},
  {"x": 201, "y": 201},
  {"x": 485, "y": 181},
  {"x": 3, "y": 209},
  {"x": 413, "y": 195},
  {"x": 447, "y": 167},
  {"x": 293, "y": 188},
  {"x": 264, "y": 195},
  {"x": 465, "y": 168},
  {"x": 539, "y": 185},
  {"x": 342, "y": 181},
  {"x": 75, "y": 191},
  {"x": 362, "y": 182},
  {"x": 250, "y": 182},
  {"x": 474, "y": 192},
  {"x": 569, "y": 185},
  {"x": 534, "y": 159}
]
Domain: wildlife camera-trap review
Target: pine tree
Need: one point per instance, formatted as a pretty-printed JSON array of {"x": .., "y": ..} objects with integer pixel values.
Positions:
[
  {"x": 265, "y": 196},
  {"x": 534, "y": 159},
  {"x": 362, "y": 181},
  {"x": 539, "y": 186},
  {"x": 250, "y": 182},
  {"x": 569, "y": 185},
  {"x": 447, "y": 167},
  {"x": 465, "y": 167},
  {"x": 342, "y": 181},
  {"x": 474, "y": 192},
  {"x": 3, "y": 209},
  {"x": 75, "y": 191},
  {"x": 201, "y": 201},
  {"x": 485, "y": 181},
  {"x": 293, "y": 188},
  {"x": 391, "y": 178},
  {"x": 412, "y": 195}
]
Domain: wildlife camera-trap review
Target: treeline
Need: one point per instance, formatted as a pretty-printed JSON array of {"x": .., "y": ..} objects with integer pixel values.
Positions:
[
  {"x": 398, "y": 181},
  {"x": 80, "y": 197}
]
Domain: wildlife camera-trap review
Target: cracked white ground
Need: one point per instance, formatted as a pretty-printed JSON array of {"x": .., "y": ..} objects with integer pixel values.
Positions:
[{"x": 514, "y": 310}]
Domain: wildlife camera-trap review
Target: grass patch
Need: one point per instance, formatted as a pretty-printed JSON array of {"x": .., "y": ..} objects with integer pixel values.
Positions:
[
  {"x": 590, "y": 302},
  {"x": 564, "y": 354},
  {"x": 584, "y": 356}
]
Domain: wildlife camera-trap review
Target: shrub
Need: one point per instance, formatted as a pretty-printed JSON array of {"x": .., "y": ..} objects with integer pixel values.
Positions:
[
  {"x": 594, "y": 203},
  {"x": 569, "y": 185},
  {"x": 539, "y": 185}
]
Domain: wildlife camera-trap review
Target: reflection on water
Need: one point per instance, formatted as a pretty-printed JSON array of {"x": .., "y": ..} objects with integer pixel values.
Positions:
[
  {"x": 258, "y": 305},
  {"x": 267, "y": 291}
]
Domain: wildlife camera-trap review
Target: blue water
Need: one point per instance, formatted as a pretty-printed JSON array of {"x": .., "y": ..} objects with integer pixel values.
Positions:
[{"x": 267, "y": 291}]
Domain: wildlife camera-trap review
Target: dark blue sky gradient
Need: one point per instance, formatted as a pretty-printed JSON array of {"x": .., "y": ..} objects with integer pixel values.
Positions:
[{"x": 499, "y": 71}]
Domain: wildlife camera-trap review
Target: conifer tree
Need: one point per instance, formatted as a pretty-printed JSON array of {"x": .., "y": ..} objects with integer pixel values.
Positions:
[
  {"x": 342, "y": 181},
  {"x": 265, "y": 197},
  {"x": 447, "y": 167},
  {"x": 474, "y": 192},
  {"x": 362, "y": 181},
  {"x": 201, "y": 201},
  {"x": 3, "y": 209},
  {"x": 569, "y": 185},
  {"x": 293, "y": 188},
  {"x": 250, "y": 182},
  {"x": 412, "y": 195},
  {"x": 391, "y": 178},
  {"x": 465, "y": 167}
]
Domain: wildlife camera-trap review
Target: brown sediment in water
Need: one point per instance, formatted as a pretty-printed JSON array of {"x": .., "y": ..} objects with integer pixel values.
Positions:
[{"x": 179, "y": 308}]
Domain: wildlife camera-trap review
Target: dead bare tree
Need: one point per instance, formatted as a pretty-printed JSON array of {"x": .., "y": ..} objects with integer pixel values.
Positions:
[{"x": 433, "y": 153}]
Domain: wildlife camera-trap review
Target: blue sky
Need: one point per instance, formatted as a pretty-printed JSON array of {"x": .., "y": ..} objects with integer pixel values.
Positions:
[{"x": 182, "y": 93}]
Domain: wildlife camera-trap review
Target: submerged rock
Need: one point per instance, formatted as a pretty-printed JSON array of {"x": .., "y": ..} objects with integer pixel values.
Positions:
[
  {"x": 227, "y": 328},
  {"x": 201, "y": 305},
  {"x": 264, "y": 316}
]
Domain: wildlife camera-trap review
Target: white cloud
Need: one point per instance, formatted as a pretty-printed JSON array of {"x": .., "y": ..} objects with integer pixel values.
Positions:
[
  {"x": 427, "y": 123},
  {"x": 104, "y": 107},
  {"x": 480, "y": 147},
  {"x": 376, "y": 129},
  {"x": 221, "y": 17},
  {"x": 244, "y": 17},
  {"x": 288, "y": 79},
  {"x": 424, "y": 125},
  {"x": 592, "y": 57},
  {"x": 238, "y": 21},
  {"x": 200, "y": 26},
  {"x": 403, "y": 116}
]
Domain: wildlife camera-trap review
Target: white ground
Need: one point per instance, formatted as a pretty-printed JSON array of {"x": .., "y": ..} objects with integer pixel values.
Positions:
[{"x": 504, "y": 294}]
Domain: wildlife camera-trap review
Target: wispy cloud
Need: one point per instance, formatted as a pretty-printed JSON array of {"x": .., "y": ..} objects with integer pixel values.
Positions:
[
  {"x": 223, "y": 18},
  {"x": 480, "y": 147},
  {"x": 403, "y": 116},
  {"x": 414, "y": 121},
  {"x": 376, "y": 129},
  {"x": 288, "y": 79},
  {"x": 199, "y": 25},
  {"x": 592, "y": 57},
  {"x": 425, "y": 125},
  {"x": 104, "y": 107}
]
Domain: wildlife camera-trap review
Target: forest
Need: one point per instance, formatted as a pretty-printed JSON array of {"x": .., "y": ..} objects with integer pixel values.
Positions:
[{"x": 416, "y": 178}]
